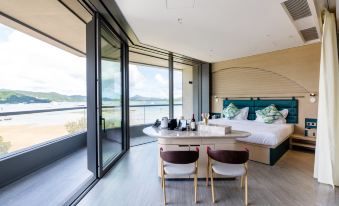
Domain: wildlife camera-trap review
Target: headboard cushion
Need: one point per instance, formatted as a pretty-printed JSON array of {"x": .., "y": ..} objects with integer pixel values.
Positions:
[{"x": 254, "y": 105}]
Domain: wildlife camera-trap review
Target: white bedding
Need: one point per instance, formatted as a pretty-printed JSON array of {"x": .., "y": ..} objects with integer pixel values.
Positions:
[{"x": 261, "y": 133}]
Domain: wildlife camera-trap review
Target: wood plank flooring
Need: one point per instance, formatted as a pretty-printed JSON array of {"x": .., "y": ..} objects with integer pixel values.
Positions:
[
  {"x": 136, "y": 141},
  {"x": 134, "y": 181}
]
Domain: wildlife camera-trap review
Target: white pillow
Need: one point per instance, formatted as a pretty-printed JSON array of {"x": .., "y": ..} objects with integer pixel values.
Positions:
[
  {"x": 282, "y": 120},
  {"x": 242, "y": 115},
  {"x": 284, "y": 112}
]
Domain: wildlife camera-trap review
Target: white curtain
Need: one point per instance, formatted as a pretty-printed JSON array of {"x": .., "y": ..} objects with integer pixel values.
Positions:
[{"x": 326, "y": 167}]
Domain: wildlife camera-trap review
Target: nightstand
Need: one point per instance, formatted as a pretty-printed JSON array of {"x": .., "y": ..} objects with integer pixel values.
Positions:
[{"x": 302, "y": 141}]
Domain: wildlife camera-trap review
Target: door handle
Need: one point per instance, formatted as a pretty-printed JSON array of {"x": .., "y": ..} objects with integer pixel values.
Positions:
[{"x": 103, "y": 123}]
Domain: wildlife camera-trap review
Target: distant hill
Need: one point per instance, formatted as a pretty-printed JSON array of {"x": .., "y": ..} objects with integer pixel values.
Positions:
[{"x": 18, "y": 96}]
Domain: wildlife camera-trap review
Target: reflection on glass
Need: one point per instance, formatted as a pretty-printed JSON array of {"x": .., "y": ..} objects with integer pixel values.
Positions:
[{"x": 111, "y": 91}]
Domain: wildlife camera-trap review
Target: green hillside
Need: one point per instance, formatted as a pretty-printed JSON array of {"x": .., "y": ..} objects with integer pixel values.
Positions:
[{"x": 18, "y": 96}]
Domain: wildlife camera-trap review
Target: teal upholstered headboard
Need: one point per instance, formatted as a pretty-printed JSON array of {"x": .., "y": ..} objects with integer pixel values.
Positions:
[{"x": 257, "y": 104}]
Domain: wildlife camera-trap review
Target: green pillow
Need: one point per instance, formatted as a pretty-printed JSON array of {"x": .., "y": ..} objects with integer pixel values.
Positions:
[
  {"x": 230, "y": 111},
  {"x": 269, "y": 114}
]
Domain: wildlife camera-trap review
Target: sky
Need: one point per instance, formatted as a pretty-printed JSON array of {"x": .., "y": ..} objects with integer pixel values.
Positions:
[{"x": 27, "y": 63}]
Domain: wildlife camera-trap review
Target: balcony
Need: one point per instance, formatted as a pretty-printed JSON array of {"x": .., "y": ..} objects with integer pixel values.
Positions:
[{"x": 25, "y": 133}]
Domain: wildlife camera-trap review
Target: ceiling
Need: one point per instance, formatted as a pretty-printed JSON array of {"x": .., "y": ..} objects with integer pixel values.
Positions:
[
  {"x": 217, "y": 30},
  {"x": 51, "y": 21}
]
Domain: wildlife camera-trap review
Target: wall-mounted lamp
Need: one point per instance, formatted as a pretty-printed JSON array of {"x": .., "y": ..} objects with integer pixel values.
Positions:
[
  {"x": 313, "y": 98},
  {"x": 216, "y": 99}
]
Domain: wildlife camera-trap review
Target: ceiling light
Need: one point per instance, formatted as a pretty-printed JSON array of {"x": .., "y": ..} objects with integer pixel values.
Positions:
[{"x": 180, "y": 20}]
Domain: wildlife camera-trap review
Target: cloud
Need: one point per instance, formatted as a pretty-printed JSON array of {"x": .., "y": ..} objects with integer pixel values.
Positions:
[
  {"x": 136, "y": 79},
  {"x": 161, "y": 79},
  {"x": 27, "y": 63}
]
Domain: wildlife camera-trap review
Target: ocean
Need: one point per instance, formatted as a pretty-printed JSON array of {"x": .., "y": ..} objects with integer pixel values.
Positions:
[
  {"x": 139, "y": 114},
  {"x": 24, "y": 130}
]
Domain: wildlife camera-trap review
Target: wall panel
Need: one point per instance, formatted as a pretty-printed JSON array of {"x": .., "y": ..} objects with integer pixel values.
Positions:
[{"x": 285, "y": 73}]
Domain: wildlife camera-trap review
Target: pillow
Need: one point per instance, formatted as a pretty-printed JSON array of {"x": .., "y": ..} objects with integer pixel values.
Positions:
[
  {"x": 269, "y": 114},
  {"x": 281, "y": 120},
  {"x": 284, "y": 112},
  {"x": 230, "y": 111},
  {"x": 243, "y": 114}
]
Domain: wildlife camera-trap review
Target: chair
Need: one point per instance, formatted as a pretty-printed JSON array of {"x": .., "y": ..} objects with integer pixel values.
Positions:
[
  {"x": 179, "y": 163},
  {"x": 230, "y": 164}
]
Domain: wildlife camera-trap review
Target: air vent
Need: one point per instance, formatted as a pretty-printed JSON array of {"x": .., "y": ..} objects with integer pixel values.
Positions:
[
  {"x": 309, "y": 34},
  {"x": 298, "y": 8}
]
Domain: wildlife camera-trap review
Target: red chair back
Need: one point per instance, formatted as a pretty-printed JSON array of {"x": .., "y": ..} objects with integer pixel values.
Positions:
[
  {"x": 179, "y": 157},
  {"x": 228, "y": 156}
]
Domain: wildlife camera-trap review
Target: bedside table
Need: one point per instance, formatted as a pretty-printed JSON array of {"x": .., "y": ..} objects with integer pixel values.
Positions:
[{"x": 302, "y": 141}]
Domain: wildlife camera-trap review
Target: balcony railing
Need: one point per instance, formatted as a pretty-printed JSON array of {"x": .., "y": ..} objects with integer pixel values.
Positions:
[
  {"x": 23, "y": 129},
  {"x": 139, "y": 114},
  {"x": 146, "y": 114}
]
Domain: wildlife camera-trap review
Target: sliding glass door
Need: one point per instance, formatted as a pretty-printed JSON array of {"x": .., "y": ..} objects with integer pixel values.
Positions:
[
  {"x": 111, "y": 136},
  {"x": 110, "y": 125}
]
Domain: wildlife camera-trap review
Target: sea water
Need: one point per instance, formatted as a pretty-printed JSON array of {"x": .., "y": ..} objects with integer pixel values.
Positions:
[{"x": 141, "y": 112}]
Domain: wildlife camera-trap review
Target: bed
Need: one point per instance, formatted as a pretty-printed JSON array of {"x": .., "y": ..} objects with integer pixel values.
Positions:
[
  {"x": 268, "y": 142},
  {"x": 261, "y": 133}
]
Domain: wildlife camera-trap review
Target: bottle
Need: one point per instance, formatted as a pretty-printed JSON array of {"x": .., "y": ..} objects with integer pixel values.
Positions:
[{"x": 193, "y": 124}]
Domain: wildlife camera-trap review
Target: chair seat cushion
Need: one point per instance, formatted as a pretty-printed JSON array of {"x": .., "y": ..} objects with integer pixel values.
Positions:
[
  {"x": 179, "y": 169},
  {"x": 230, "y": 170}
]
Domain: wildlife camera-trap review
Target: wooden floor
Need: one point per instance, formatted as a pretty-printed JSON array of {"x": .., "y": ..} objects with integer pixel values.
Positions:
[
  {"x": 52, "y": 185},
  {"x": 134, "y": 181},
  {"x": 136, "y": 141}
]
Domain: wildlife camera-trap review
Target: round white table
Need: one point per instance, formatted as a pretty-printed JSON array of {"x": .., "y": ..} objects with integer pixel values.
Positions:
[{"x": 189, "y": 140}]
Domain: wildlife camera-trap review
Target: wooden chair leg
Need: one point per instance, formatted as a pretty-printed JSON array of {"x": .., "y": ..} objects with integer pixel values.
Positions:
[
  {"x": 212, "y": 185},
  {"x": 207, "y": 171},
  {"x": 242, "y": 181},
  {"x": 246, "y": 191},
  {"x": 164, "y": 189},
  {"x": 162, "y": 182},
  {"x": 163, "y": 185}
]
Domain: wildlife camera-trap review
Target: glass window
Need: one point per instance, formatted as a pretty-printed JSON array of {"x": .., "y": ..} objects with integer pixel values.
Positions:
[
  {"x": 177, "y": 92},
  {"x": 44, "y": 86},
  {"x": 183, "y": 91},
  {"x": 149, "y": 93}
]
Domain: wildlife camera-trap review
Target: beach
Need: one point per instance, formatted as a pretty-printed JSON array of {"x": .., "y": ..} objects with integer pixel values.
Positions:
[
  {"x": 26, "y": 130},
  {"x": 22, "y": 136}
]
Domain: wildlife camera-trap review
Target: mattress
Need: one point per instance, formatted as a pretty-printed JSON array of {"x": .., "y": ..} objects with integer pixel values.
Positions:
[{"x": 261, "y": 133}]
